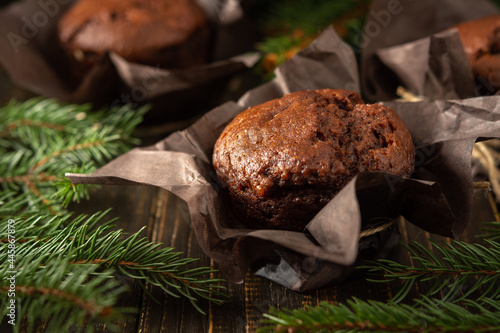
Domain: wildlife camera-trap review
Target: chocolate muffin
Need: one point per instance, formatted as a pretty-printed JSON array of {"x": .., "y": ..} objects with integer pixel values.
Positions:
[
  {"x": 481, "y": 41},
  {"x": 284, "y": 160},
  {"x": 166, "y": 33}
]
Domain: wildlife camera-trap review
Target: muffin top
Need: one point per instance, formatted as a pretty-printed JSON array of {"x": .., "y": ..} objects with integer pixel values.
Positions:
[
  {"x": 480, "y": 37},
  {"x": 135, "y": 29},
  {"x": 300, "y": 150}
]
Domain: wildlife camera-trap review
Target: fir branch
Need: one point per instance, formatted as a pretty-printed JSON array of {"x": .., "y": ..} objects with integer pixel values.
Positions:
[
  {"x": 39, "y": 117},
  {"x": 66, "y": 192},
  {"x": 15, "y": 124},
  {"x": 491, "y": 231},
  {"x": 450, "y": 272},
  {"x": 68, "y": 294},
  {"x": 40, "y": 177},
  {"x": 11, "y": 204},
  {"x": 41, "y": 139},
  {"x": 308, "y": 15},
  {"x": 89, "y": 240},
  {"x": 290, "y": 26},
  {"x": 426, "y": 315},
  {"x": 37, "y": 227}
]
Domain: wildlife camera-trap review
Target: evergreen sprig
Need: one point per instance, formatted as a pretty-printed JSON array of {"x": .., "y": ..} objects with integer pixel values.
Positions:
[
  {"x": 426, "y": 315},
  {"x": 291, "y": 25},
  {"x": 66, "y": 267},
  {"x": 451, "y": 272},
  {"x": 41, "y": 139},
  {"x": 59, "y": 293},
  {"x": 456, "y": 270},
  {"x": 491, "y": 231},
  {"x": 308, "y": 15},
  {"x": 89, "y": 240}
]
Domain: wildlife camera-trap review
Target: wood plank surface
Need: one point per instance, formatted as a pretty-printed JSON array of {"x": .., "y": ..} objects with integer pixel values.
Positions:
[{"x": 167, "y": 222}]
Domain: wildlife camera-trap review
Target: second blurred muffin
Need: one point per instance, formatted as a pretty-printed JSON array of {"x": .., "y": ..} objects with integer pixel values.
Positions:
[{"x": 165, "y": 33}]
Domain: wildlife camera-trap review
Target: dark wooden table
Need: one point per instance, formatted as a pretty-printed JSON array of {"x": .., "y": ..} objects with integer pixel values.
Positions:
[{"x": 163, "y": 214}]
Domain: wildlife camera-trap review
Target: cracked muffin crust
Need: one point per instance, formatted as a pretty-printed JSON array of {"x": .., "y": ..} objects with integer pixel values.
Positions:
[
  {"x": 481, "y": 41},
  {"x": 283, "y": 160},
  {"x": 167, "y": 33}
]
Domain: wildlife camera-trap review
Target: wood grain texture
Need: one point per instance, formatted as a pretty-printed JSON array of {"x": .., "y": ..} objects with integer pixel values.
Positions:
[{"x": 167, "y": 221}]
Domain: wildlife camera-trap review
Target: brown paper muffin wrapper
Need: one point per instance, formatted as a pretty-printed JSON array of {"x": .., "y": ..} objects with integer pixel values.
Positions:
[
  {"x": 411, "y": 45},
  {"x": 437, "y": 198},
  {"x": 31, "y": 55}
]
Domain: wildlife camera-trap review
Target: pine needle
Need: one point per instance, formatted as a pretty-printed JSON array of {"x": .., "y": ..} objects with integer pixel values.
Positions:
[
  {"x": 491, "y": 231},
  {"x": 425, "y": 315},
  {"x": 58, "y": 290},
  {"x": 41, "y": 139},
  {"x": 89, "y": 240},
  {"x": 461, "y": 270}
]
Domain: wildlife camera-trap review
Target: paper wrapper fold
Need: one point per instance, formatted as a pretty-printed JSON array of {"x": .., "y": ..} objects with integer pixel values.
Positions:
[
  {"x": 437, "y": 198},
  {"x": 411, "y": 45},
  {"x": 32, "y": 57}
]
